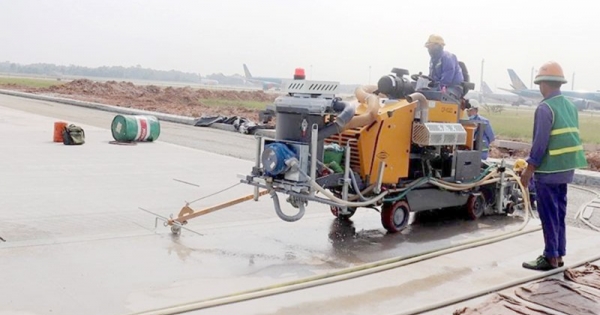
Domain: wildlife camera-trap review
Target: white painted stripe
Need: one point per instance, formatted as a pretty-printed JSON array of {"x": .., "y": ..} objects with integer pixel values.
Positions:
[
  {"x": 148, "y": 128},
  {"x": 139, "y": 128},
  {"x": 144, "y": 128}
]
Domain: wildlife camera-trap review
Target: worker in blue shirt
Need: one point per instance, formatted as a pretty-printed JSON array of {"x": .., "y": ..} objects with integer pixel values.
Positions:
[
  {"x": 444, "y": 70},
  {"x": 488, "y": 133},
  {"x": 556, "y": 151}
]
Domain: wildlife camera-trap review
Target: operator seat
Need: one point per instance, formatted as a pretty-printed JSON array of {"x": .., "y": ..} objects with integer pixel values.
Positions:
[{"x": 467, "y": 85}]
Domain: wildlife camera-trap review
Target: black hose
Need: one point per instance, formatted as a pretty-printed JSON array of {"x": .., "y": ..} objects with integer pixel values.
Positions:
[{"x": 347, "y": 111}]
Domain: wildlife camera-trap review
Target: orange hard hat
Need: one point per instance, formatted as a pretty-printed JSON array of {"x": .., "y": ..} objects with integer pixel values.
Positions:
[{"x": 550, "y": 71}]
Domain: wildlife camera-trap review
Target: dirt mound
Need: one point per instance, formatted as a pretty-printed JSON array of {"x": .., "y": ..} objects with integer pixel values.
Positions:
[
  {"x": 184, "y": 101},
  {"x": 593, "y": 159}
]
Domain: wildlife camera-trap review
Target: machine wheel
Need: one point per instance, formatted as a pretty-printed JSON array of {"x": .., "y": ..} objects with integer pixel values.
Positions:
[
  {"x": 336, "y": 212},
  {"x": 475, "y": 206},
  {"x": 395, "y": 216},
  {"x": 510, "y": 207}
]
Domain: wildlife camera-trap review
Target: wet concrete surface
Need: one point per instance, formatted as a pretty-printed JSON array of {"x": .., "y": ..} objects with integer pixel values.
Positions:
[{"x": 76, "y": 238}]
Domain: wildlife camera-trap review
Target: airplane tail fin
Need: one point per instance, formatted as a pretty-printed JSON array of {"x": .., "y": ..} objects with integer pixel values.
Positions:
[
  {"x": 486, "y": 88},
  {"x": 517, "y": 84},
  {"x": 247, "y": 72}
]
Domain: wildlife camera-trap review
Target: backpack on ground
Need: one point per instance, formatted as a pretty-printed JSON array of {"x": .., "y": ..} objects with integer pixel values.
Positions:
[{"x": 73, "y": 135}]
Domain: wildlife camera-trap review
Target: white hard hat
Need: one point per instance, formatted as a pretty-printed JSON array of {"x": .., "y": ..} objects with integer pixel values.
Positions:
[{"x": 474, "y": 103}]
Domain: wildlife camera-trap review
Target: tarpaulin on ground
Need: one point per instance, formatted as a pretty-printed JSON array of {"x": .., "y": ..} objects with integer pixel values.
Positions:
[
  {"x": 241, "y": 124},
  {"x": 569, "y": 298},
  {"x": 500, "y": 304},
  {"x": 587, "y": 275}
]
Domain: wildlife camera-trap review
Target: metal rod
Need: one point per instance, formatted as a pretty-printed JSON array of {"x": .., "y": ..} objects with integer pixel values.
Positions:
[
  {"x": 187, "y": 213},
  {"x": 304, "y": 196},
  {"x": 346, "y": 176},
  {"x": 182, "y": 181},
  {"x": 313, "y": 153},
  {"x": 377, "y": 189},
  {"x": 454, "y": 158},
  {"x": 257, "y": 162},
  {"x": 502, "y": 185}
]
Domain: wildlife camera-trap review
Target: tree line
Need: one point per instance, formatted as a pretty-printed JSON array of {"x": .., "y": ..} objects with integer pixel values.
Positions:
[{"x": 113, "y": 72}]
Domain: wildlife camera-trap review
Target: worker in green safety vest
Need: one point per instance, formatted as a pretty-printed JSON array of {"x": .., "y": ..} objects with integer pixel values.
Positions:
[
  {"x": 556, "y": 152},
  {"x": 488, "y": 132}
]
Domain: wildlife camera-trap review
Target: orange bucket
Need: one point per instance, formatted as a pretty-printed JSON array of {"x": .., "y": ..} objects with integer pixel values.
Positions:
[{"x": 58, "y": 129}]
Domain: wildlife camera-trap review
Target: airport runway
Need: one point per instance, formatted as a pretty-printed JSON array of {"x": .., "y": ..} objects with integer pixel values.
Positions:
[{"x": 76, "y": 242}]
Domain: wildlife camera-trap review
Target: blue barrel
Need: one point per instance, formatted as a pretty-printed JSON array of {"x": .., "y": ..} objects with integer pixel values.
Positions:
[{"x": 129, "y": 128}]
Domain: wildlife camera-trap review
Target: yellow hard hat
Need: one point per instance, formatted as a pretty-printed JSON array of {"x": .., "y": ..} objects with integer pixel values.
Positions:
[
  {"x": 435, "y": 39},
  {"x": 550, "y": 71},
  {"x": 520, "y": 165}
]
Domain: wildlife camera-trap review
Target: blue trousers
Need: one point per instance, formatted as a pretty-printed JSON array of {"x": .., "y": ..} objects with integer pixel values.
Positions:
[{"x": 552, "y": 209}]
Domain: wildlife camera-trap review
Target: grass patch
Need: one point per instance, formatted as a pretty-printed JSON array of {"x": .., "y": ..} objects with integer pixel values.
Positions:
[
  {"x": 29, "y": 82},
  {"x": 518, "y": 124},
  {"x": 236, "y": 103}
]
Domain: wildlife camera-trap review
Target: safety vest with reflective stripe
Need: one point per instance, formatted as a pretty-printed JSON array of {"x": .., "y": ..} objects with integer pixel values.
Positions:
[{"x": 565, "y": 151}]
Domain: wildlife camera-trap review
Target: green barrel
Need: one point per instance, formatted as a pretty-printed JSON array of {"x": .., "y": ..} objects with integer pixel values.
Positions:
[{"x": 129, "y": 128}]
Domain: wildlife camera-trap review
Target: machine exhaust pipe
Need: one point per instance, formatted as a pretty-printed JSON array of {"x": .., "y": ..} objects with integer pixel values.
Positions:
[
  {"x": 347, "y": 119},
  {"x": 422, "y": 106},
  {"x": 364, "y": 94},
  {"x": 347, "y": 111}
]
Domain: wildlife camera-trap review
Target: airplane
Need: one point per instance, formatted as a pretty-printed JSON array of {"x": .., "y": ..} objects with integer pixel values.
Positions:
[
  {"x": 582, "y": 100},
  {"x": 487, "y": 95},
  {"x": 514, "y": 100},
  {"x": 208, "y": 81},
  {"x": 267, "y": 83}
]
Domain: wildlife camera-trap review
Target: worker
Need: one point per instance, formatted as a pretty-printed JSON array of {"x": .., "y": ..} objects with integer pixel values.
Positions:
[
  {"x": 519, "y": 168},
  {"x": 444, "y": 70},
  {"x": 488, "y": 132},
  {"x": 556, "y": 151}
]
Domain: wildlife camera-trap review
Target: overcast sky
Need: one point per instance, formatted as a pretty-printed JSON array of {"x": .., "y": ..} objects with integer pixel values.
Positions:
[{"x": 339, "y": 40}]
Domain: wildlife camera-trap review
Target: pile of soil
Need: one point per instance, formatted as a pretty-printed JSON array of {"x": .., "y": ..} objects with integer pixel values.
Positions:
[{"x": 184, "y": 101}]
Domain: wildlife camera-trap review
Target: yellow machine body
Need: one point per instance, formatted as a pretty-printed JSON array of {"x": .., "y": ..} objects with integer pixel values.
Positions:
[{"x": 388, "y": 139}]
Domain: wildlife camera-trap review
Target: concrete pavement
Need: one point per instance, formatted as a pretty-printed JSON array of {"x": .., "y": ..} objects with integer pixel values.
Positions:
[{"x": 77, "y": 244}]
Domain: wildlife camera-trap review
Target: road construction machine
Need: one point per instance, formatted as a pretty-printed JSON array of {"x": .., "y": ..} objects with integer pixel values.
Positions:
[{"x": 394, "y": 149}]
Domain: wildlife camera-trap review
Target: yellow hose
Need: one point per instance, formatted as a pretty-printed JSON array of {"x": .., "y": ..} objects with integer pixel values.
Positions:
[{"x": 348, "y": 273}]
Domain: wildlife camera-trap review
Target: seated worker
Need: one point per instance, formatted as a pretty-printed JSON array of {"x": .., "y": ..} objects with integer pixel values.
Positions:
[
  {"x": 444, "y": 70},
  {"x": 519, "y": 167},
  {"x": 488, "y": 133}
]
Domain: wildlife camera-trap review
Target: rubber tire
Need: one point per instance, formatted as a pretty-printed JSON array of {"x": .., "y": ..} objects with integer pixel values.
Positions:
[
  {"x": 510, "y": 208},
  {"x": 395, "y": 216},
  {"x": 335, "y": 210},
  {"x": 475, "y": 206}
]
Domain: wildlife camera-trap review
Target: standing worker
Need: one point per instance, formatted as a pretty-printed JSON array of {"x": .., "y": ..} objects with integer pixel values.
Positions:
[
  {"x": 556, "y": 152},
  {"x": 488, "y": 133},
  {"x": 444, "y": 70}
]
